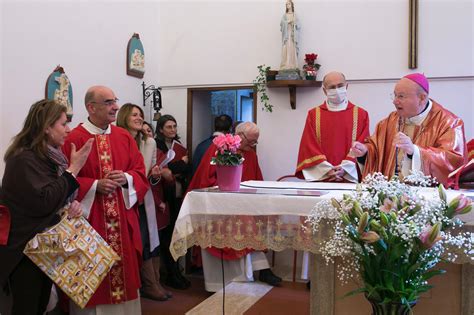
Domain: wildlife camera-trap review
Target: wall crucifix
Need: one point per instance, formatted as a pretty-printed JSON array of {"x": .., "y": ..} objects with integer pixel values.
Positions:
[{"x": 413, "y": 40}]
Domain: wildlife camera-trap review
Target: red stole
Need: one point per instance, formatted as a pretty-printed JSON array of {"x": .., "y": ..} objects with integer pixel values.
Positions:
[
  {"x": 108, "y": 214},
  {"x": 328, "y": 135}
]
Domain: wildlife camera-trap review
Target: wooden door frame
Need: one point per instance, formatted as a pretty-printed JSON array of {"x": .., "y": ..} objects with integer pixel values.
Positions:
[{"x": 189, "y": 114}]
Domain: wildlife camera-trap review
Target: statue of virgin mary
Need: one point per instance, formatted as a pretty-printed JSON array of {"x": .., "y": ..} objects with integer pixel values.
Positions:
[{"x": 289, "y": 33}]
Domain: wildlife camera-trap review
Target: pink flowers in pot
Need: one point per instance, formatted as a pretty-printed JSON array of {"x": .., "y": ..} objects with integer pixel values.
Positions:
[
  {"x": 227, "y": 146},
  {"x": 227, "y": 142}
]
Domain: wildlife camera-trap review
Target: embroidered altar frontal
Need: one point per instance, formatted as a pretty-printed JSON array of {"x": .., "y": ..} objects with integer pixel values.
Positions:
[{"x": 74, "y": 256}]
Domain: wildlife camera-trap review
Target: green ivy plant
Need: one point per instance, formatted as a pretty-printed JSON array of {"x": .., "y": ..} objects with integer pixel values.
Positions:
[{"x": 260, "y": 84}]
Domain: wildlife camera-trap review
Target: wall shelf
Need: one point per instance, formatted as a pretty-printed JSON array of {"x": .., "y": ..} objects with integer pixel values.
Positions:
[{"x": 292, "y": 85}]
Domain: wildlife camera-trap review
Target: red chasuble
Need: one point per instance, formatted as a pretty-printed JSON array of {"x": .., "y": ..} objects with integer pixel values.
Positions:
[
  {"x": 205, "y": 176},
  {"x": 118, "y": 226},
  {"x": 328, "y": 135},
  {"x": 440, "y": 139}
]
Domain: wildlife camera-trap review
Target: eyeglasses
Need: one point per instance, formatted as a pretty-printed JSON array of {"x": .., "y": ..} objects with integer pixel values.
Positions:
[
  {"x": 251, "y": 143},
  {"x": 400, "y": 97},
  {"x": 107, "y": 102}
]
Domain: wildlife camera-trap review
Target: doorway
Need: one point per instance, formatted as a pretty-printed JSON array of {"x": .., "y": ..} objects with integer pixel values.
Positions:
[{"x": 204, "y": 104}]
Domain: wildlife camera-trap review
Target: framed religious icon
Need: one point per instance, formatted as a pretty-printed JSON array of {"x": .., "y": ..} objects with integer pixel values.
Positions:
[
  {"x": 135, "y": 57},
  {"x": 58, "y": 88}
]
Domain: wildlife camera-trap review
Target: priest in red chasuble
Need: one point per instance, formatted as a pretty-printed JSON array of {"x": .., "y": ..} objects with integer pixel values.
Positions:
[
  {"x": 238, "y": 264},
  {"x": 419, "y": 135},
  {"x": 111, "y": 182},
  {"x": 329, "y": 132}
]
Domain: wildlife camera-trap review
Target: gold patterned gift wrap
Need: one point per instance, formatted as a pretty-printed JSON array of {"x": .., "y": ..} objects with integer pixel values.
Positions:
[{"x": 74, "y": 256}]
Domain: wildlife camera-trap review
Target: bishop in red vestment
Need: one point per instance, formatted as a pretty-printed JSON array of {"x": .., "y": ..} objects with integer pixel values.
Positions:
[
  {"x": 111, "y": 182},
  {"x": 420, "y": 135},
  {"x": 329, "y": 132}
]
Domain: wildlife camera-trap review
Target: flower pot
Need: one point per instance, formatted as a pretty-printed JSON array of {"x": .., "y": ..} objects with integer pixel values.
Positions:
[
  {"x": 228, "y": 177},
  {"x": 392, "y": 308},
  {"x": 310, "y": 77}
]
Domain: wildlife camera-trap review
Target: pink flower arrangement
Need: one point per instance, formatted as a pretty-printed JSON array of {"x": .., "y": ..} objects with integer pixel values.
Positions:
[
  {"x": 227, "y": 142},
  {"x": 227, "y": 146}
]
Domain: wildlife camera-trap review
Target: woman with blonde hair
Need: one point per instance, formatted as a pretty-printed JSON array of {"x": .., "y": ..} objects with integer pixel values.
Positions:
[
  {"x": 38, "y": 182},
  {"x": 131, "y": 117}
]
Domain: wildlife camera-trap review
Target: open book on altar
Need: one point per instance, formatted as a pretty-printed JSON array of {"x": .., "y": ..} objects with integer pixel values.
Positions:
[{"x": 179, "y": 150}]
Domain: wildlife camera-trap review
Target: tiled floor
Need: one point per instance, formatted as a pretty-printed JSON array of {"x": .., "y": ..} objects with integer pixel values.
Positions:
[{"x": 289, "y": 298}]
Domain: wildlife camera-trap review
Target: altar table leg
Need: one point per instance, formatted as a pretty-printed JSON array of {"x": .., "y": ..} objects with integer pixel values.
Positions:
[{"x": 322, "y": 286}]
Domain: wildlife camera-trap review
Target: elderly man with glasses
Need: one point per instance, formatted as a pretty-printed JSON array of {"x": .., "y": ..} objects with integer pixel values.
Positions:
[
  {"x": 238, "y": 265},
  {"x": 112, "y": 183},
  {"x": 419, "y": 135}
]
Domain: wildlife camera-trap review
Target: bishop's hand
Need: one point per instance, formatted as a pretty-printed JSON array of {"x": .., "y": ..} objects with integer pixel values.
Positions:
[
  {"x": 403, "y": 142},
  {"x": 358, "y": 149}
]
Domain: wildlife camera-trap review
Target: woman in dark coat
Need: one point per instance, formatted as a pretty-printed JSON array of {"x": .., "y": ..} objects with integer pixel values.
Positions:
[
  {"x": 166, "y": 133},
  {"x": 37, "y": 183}
]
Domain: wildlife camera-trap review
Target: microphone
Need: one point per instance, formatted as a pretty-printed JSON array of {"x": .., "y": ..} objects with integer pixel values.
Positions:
[{"x": 397, "y": 171}]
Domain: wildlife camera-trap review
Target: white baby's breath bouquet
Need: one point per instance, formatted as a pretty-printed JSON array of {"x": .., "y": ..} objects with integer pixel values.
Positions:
[{"x": 391, "y": 235}]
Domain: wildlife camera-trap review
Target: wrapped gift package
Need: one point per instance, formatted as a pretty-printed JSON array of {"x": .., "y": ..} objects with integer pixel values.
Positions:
[{"x": 74, "y": 256}]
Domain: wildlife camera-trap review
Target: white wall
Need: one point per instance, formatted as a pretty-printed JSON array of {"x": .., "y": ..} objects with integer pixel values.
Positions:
[
  {"x": 204, "y": 43},
  {"x": 88, "y": 38},
  {"x": 225, "y": 41}
]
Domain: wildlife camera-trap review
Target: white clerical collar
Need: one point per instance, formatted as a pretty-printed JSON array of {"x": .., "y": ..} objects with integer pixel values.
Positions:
[
  {"x": 337, "y": 108},
  {"x": 93, "y": 129},
  {"x": 418, "y": 119}
]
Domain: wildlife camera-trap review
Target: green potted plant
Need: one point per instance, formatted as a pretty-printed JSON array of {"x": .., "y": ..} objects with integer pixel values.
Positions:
[{"x": 260, "y": 84}]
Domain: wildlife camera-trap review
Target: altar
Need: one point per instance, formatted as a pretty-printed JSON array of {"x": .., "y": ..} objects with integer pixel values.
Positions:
[{"x": 272, "y": 215}]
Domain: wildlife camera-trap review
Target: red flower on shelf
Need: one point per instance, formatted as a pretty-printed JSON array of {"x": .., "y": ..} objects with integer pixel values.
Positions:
[
  {"x": 310, "y": 60},
  {"x": 311, "y": 67}
]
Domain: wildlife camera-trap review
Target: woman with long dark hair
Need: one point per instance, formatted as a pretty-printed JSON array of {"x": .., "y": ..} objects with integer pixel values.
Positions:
[{"x": 166, "y": 133}]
